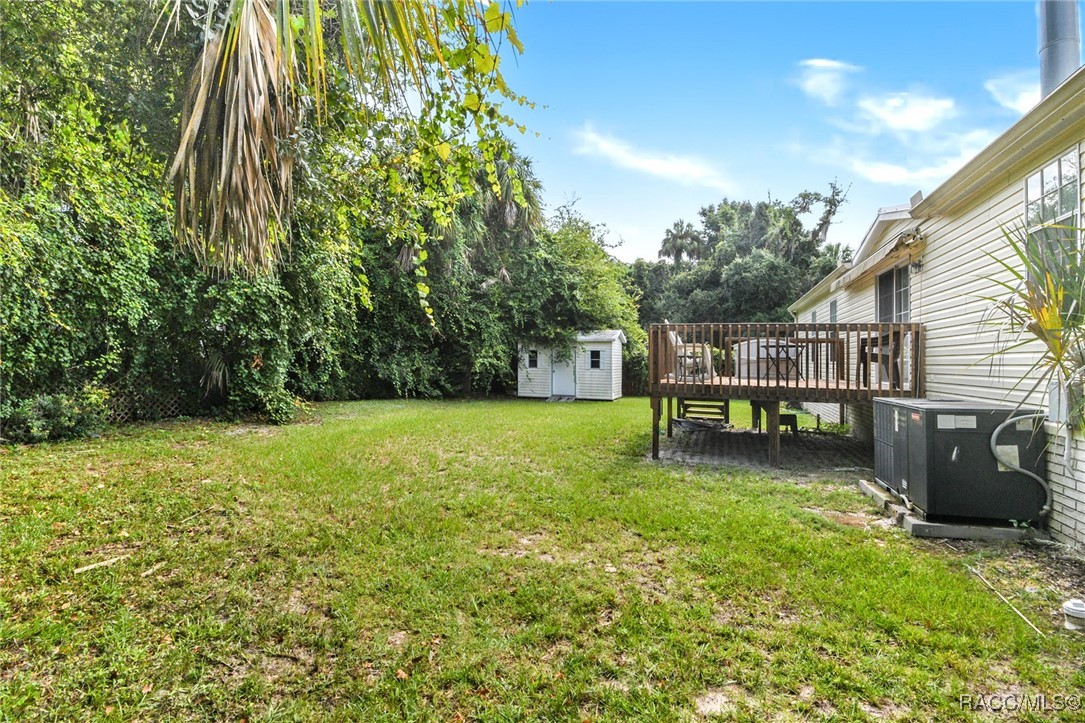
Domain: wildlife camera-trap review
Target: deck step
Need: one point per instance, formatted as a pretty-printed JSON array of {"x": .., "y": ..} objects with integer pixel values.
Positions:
[{"x": 708, "y": 409}]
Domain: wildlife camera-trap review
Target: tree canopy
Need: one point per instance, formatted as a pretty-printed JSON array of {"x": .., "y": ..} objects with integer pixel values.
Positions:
[
  {"x": 745, "y": 262},
  {"x": 415, "y": 258},
  {"x": 262, "y": 84}
]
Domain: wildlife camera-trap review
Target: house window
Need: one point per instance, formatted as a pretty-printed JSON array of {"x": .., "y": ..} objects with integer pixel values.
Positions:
[
  {"x": 1051, "y": 199},
  {"x": 894, "y": 295},
  {"x": 814, "y": 316},
  {"x": 832, "y": 311},
  {"x": 595, "y": 359},
  {"x": 533, "y": 359}
]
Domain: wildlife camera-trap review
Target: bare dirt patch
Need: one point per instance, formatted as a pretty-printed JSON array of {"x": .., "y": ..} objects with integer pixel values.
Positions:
[
  {"x": 260, "y": 430},
  {"x": 859, "y": 520},
  {"x": 286, "y": 666},
  {"x": 296, "y": 604},
  {"x": 615, "y": 685},
  {"x": 721, "y": 701},
  {"x": 884, "y": 710}
]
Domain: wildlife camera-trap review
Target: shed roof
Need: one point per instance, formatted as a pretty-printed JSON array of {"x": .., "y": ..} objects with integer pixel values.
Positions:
[{"x": 607, "y": 335}]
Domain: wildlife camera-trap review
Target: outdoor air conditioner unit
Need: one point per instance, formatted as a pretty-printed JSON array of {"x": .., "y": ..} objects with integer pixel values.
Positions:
[{"x": 937, "y": 454}]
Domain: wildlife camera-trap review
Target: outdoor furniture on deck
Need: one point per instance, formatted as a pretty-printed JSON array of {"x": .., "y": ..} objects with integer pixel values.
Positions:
[
  {"x": 883, "y": 349},
  {"x": 773, "y": 364},
  {"x": 783, "y": 352},
  {"x": 832, "y": 343},
  {"x": 693, "y": 361}
]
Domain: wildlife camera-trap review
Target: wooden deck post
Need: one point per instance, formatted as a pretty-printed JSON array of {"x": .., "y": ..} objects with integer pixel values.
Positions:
[
  {"x": 670, "y": 417},
  {"x": 772, "y": 414},
  {"x": 655, "y": 427}
]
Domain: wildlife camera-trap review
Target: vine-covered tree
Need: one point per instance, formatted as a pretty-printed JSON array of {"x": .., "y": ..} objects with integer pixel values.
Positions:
[{"x": 96, "y": 298}]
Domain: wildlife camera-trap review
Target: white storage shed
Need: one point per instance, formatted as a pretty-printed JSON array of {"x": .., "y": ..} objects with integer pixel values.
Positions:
[{"x": 592, "y": 370}]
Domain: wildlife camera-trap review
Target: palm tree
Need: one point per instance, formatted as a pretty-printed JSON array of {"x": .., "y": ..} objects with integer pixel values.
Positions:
[
  {"x": 680, "y": 240},
  {"x": 264, "y": 64}
]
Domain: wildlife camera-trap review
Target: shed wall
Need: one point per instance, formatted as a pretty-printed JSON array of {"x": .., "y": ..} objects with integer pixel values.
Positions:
[
  {"x": 534, "y": 383},
  {"x": 599, "y": 384}
]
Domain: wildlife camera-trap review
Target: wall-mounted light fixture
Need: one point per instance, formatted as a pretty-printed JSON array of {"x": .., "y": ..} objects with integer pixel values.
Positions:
[{"x": 917, "y": 266}]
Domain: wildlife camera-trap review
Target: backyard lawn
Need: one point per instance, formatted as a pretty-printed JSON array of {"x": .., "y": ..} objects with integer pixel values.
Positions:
[{"x": 497, "y": 561}]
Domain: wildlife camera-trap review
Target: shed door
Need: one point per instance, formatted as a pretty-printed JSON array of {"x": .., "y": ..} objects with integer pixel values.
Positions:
[{"x": 563, "y": 378}]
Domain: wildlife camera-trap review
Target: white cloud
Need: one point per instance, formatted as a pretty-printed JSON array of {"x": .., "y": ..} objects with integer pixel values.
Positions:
[
  {"x": 908, "y": 111},
  {"x": 824, "y": 79},
  {"x": 686, "y": 170},
  {"x": 1017, "y": 91},
  {"x": 940, "y": 166}
]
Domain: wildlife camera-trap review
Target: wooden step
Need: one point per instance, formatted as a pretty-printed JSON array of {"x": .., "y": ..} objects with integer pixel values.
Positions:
[{"x": 708, "y": 409}]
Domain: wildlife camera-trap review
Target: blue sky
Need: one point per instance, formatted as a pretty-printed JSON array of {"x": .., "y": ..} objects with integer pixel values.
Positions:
[{"x": 648, "y": 111}]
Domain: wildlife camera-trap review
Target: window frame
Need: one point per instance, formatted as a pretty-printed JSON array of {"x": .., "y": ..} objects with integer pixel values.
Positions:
[
  {"x": 1036, "y": 181},
  {"x": 532, "y": 358},
  {"x": 901, "y": 279},
  {"x": 595, "y": 359}
]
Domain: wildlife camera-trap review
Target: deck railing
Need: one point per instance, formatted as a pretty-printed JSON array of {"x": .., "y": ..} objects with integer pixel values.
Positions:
[{"x": 786, "y": 362}]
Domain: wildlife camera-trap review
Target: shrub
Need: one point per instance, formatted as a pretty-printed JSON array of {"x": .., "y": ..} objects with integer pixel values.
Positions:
[{"x": 54, "y": 417}]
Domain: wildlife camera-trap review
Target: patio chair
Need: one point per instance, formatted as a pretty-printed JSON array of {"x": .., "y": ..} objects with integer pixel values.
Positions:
[
  {"x": 694, "y": 361},
  {"x": 883, "y": 350}
]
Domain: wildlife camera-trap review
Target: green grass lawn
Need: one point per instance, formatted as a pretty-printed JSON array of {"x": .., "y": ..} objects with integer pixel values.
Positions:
[{"x": 495, "y": 561}]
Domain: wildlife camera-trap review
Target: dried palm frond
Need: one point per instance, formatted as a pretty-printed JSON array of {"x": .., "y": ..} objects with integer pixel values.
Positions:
[
  {"x": 232, "y": 174},
  {"x": 216, "y": 375},
  {"x": 234, "y": 164}
]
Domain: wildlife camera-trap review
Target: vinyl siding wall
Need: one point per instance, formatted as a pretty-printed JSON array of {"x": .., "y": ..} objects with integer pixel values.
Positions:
[
  {"x": 604, "y": 383},
  {"x": 948, "y": 298},
  {"x": 534, "y": 383},
  {"x": 956, "y": 276}
]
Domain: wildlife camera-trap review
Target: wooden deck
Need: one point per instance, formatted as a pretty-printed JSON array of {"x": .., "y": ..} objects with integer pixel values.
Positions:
[{"x": 773, "y": 363}]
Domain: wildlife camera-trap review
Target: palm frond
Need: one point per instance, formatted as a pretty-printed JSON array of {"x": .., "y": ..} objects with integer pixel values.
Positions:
[
  {"x": 233, "y": 169},
  {"x": 1042, "y": 304},
  {"x": 233, "y": 177}
]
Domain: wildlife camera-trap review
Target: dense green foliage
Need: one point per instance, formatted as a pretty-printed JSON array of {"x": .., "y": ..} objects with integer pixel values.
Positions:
[
  {"x": 412, "y": 269},
  {"x": 745, "y": 262}
]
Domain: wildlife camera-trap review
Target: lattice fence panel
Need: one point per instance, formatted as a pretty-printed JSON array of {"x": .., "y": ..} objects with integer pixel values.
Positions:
[{"x": 130, "y": 406}]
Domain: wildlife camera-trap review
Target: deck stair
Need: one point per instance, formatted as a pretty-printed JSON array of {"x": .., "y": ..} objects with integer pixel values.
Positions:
[{"x": 708, "y": 410}]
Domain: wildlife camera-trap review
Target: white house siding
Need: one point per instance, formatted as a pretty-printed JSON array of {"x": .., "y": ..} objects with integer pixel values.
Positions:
[
  {"x": 598, "y": 384},
  {"x": 534, "y": 382},
  {"x": 956, "y": 276},
  {"x": 948, "y": 298},
  {"x": 1067, "y": 490}
]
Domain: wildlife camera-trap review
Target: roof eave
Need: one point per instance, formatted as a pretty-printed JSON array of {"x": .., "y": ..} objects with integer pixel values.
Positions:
[
  {"x": 819, "y": 289},
  {"x": 1044, "y": 122},
  {"x": 885, "y": 217}
]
